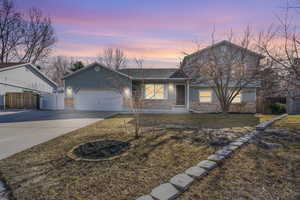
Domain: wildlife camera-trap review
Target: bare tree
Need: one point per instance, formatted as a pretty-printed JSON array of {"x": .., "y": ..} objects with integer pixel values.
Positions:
[
  {"x": 113, "y": 58},
  {"x": 58, "y": 68},
  {"x": 38, "y": 38},
  {"x": 24, "y": 39},
  {"x": 137, "y": 100},
  {"x": 226, "y": 69},
  {"x": 11, "y": 30},
  {"x": 281, "y": 44}
]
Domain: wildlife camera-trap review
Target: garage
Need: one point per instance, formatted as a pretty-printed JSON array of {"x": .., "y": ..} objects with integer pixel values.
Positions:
[{"x": 100, "y": 100}]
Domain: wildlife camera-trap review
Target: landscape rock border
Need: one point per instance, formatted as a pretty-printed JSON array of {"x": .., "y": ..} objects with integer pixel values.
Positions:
[{"x": 180, "y": 182}]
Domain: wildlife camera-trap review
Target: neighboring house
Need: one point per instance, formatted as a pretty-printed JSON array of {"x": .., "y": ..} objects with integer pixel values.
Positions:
[
  {"x": 293, "y": 98},
  {"x": 97, "y": 87},
  {"x": 23, "y": 77}
]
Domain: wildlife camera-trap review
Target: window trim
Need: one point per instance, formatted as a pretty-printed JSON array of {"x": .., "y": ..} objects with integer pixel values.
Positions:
[
  {"x": 154, "y": 84},
  {"x": 211, "y": 96}
]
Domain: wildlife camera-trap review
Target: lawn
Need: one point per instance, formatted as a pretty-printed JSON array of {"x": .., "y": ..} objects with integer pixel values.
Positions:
[
  {"x": 257, "y": 173},
  {"x": 169, "y": 144}
]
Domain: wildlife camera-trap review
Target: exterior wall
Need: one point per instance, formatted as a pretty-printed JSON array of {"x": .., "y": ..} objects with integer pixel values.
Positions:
[
  {"x": 164, "y": 104},
  {"x": 22, "y": 79},
  {"x": 191, "y": 63},
  {"x": 26, "y": 79},
  {"x": 100, "y": 79},
  {"x": 248, "y": 104}
]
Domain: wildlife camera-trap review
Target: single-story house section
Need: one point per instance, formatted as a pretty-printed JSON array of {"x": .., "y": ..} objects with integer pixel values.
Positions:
[
  {"x": 23, "y": 77},
  {"x": 97, "y": 87}
]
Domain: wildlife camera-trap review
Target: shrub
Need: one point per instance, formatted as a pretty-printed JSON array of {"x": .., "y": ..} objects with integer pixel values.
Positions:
[{"x": 278, "y": 108}]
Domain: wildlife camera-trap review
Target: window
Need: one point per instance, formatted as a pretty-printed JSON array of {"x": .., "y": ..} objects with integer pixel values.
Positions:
[
  {"x": 237, "y": 98},
  {"x": 154, "y": 91},
  {"x": 205, "y": 96}
]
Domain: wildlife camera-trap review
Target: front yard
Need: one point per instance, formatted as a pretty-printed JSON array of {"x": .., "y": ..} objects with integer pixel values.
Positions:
[
  {"x": 255, "y": 172},
  {"x": 169, "y": 145}
]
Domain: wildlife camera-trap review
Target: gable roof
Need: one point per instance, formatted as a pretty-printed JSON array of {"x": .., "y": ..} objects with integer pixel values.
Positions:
[
  {"x": 139, "y": 73},
  {"x": 94, "y": 65},
  {"x": 11, "y": 66},
  {"x": 227, "y": 43},
  {"x": 154, "y": 73}
]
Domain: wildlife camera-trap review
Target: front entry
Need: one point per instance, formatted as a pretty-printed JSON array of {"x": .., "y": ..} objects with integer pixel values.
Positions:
[{"x": 180, "y": 94}]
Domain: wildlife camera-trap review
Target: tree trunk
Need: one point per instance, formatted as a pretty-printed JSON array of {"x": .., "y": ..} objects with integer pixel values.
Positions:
[
  {"x": 225, "y": 108},
  {"x": 137, "y": 127}
]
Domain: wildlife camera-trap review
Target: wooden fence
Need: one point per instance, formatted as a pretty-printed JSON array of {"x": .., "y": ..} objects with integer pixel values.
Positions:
[{"x": 24, "y": 100}]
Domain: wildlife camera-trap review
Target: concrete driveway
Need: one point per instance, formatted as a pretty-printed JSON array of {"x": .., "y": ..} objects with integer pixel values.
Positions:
[{"x": 20, "y": 130}]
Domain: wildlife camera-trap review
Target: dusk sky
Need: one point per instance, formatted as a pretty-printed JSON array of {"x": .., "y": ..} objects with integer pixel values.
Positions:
[{"x": 157, "y": 30}]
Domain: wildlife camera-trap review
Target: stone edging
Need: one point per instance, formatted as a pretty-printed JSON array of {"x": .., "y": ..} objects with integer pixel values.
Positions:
[
  {"x": 266, "y": 124},
  {"x": 181, "y": 182}
]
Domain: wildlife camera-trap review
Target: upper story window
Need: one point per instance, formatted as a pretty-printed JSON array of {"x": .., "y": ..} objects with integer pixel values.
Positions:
[
  {"x": 205, "y": 96},
  {"x": 237, "y": 98},
  {"x": 154, "y": 91}
]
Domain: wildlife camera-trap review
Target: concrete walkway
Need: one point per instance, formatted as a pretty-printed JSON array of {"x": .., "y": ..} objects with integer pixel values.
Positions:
[{"x": 24, "y": 129}]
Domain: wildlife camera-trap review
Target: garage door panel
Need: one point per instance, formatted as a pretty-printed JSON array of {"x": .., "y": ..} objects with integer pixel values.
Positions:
[{"x": 104, "y": 100}]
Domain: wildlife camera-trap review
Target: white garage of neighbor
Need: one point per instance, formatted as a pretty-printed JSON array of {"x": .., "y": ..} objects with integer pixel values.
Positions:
[{"x": 100, "y": 100}]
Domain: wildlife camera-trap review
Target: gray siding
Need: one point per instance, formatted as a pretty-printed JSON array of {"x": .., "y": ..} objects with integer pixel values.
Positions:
[
  {"x": 103, "y": 79},
  {"x": 293, "y": 105}
]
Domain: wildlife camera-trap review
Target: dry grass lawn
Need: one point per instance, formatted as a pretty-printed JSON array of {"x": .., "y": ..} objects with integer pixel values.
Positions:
[
  {"x": 44, "y": 172},
  {"x": 257, "y": 173}
]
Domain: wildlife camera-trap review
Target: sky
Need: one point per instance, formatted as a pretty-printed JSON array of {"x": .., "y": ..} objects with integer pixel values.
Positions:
[{"x": 156, "y": 30}]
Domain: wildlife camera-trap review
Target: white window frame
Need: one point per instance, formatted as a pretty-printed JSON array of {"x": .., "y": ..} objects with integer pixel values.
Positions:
[
  {"x": 211, "y": 96},
  {"x": 154, "y": 97},
  {"x": 240, "y": 97}
]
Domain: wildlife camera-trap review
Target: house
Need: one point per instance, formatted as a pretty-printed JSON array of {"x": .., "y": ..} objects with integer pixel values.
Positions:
[
  {"x": 20, "y": 78},
  {"x": 293, "y": 98},
  {"x": 97, "y": 87}
]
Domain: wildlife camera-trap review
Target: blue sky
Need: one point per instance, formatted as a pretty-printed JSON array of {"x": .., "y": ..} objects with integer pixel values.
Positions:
[{"x": 156, "y": 30}]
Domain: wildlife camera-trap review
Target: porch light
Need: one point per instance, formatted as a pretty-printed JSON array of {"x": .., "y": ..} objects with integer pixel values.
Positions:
[
  {"x": 127, "y": 92},
  {"x": 171, "y": 86},
  {"x": 69, "y": 92}
]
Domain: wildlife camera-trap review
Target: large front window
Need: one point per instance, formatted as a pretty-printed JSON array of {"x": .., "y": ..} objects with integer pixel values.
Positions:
[
  {"x": 205, "y": 96},
  {"x": 154, "y": 91}
]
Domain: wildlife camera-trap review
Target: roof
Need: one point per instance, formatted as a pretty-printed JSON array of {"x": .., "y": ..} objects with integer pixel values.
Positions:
[
  {"x": 10, "y": 66},
  {"x": 227, "y": 43},
  {"x": 154, "y": 73},
  {"x": 140, "y": 73},
  {"x": 94, "y": 65}
]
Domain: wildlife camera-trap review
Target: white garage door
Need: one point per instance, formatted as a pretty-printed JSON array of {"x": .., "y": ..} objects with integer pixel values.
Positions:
[{"x": 100, "y": 100}]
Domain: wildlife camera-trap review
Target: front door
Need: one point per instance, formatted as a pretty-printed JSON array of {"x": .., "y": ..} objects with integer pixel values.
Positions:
[{"x": 180, "y": 94}]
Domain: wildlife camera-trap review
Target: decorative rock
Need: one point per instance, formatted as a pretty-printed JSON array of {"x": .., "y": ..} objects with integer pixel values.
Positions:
[
  {"x": 224, "y": 152},
  {"x": 196, "y": 172},
  {"x": 242, "y": 139},
  {"x": 165, "y": 191},
  {"x": 181, "y": 181},
  {"x": 231, "y": 147},
  {"x": 237, "y": 143},
  {"x": 145, "y": 197},
  {"x": 216, "y": 158},
  {"x": 207, "y": 164}
]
